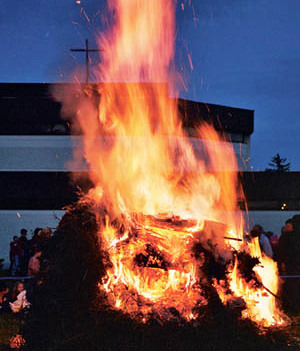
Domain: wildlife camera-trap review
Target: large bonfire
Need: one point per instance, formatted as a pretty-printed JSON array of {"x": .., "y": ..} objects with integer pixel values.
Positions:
[{"x": 164, "y": 211}]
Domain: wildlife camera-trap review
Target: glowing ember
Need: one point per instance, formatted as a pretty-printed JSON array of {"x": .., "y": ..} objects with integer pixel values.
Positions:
[{"x": 162, "y": 209}]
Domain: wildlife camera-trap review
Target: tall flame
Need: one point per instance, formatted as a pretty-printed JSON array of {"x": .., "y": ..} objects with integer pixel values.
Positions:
[{"x": 160, "y": 195}]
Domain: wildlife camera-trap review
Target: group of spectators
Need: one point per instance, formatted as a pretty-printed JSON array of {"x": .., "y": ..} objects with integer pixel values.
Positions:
[
  {"x": 24, "y": 253},
  {"x": 284, "y": 249},
  {"x": 25, "y": 260},
  {"x": 13, "y": 300},
  {"x": 289, "y": 247}
]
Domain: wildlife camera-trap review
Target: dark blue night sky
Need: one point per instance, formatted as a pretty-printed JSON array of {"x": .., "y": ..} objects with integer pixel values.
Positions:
[{"x": 245, "y": 53}]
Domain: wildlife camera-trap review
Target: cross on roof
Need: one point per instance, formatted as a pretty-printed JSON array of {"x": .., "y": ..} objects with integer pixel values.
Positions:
[{"x": 86, "y": 50}]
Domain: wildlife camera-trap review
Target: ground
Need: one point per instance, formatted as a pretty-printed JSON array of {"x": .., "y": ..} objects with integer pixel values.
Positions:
[{"x": 9, "y": 325}]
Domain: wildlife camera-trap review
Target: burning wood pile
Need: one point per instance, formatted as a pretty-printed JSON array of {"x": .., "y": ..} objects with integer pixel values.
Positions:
[
  {"x": 168, "y": 268},
  {"x": 71, "y": 312},
  {"x": 171, "y": 236}
]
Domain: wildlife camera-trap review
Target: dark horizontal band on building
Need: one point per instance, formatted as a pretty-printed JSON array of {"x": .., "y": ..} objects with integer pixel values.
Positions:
[
  {"x": 54, "y": 190},
  {"x": 30, "y": 109}
]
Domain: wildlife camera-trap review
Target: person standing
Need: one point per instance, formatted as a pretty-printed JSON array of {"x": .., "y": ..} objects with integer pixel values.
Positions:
[
  {"x": 289, "y": 264},
  {"x": 13, "y": 256},
  {"x": 34, "y": 267},
  {"x": 284, "y": 243},
  {"x": 34, "y": 243},
  {"x": 23, "y": 251},
  {"x": 34, "y": 264},
  {"x": 264, "y": 242},
  {"x": 273, "y": 238}
]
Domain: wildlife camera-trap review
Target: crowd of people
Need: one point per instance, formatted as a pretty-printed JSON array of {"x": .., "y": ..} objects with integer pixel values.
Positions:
[
  {"x": 25, "y": 261},
  {"x": 24, "y": 253},
  {"x": 284, "y": 249},
  {"x": 13, "y": 300}
]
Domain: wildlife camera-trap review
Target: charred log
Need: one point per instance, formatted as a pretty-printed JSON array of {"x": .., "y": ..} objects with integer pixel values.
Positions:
[
  {"x": 210, "y": 266},
  {"x": 151, "y": 258},
  {"x": 246, "y": 263}
]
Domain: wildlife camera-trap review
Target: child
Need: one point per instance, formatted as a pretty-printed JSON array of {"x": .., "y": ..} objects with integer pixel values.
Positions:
[{"x": 19, "y": 299}]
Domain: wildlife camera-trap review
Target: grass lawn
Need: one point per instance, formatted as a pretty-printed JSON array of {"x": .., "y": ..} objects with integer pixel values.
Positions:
[{"x": 9, "y": 325}]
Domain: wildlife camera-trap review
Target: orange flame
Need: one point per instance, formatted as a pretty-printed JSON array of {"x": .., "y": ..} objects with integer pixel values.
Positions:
[
  {"x": 161, "y": 193},
  {"x": 261, "y": 303}
]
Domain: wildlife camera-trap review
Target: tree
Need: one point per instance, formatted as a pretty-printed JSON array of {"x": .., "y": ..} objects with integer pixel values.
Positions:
[{"x": 278, "y": 164}]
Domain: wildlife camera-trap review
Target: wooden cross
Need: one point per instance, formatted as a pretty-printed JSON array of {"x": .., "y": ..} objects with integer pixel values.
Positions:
[{"x": 86, "y": 50}]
